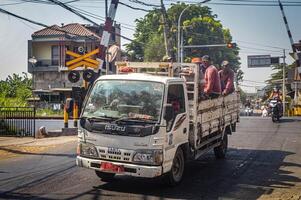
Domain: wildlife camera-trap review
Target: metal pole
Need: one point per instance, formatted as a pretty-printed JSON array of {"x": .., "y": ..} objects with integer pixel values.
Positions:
[
  {"x": 33, "y": 85},
  {"x": 179, "y": 32},
  {"x": 182, "y": 49},
  {"x": 283, "y": 83},
  {"x": 179, "y": 28},
  {"x": 107, "y": 62}
]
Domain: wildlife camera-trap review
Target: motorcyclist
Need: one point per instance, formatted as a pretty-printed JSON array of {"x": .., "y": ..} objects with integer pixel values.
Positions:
[
  {"x": 277, "y": 95},
  {"x": 248, "y": 103}
]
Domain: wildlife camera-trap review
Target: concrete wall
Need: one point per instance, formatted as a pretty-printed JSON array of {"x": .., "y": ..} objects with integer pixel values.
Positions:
[
  {"x": 42, "y": 50},
  {"x": 48, "y": 80}
]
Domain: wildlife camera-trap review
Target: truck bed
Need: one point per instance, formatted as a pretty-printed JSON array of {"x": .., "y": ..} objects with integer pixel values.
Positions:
[{"x": 212, "y": 117}]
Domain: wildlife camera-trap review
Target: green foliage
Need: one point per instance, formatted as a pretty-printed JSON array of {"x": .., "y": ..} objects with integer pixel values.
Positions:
[
  {"x": 155, "y": 42},
  {"x": 49, "y": 112},
  {"x": 243, "y": 95},
  {"x": 15, "y": 90},
  {"x": 199, "y": 26}
]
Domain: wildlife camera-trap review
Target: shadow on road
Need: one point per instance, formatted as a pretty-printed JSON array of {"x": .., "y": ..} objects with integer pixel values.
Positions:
[
  {"x": 244, "y": 174},
  {"x": 20, "y": 152},
  {"x": 286, "y": 120}
]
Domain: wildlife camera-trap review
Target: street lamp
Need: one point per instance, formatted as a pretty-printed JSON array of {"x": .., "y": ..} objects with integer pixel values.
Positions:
[
  {"x": 179, "y": 29},
  {"x": 33, "y": 61}
]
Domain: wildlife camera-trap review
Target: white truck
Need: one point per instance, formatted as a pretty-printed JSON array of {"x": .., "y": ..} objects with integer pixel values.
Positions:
[{"x": 149, "y": 124}]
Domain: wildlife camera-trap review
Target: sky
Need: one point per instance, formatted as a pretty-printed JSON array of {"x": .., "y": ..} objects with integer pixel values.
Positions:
[{"x": 253, "y": 28}]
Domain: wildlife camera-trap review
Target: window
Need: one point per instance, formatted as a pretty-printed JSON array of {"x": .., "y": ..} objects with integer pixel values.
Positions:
[
  {"x": 55, "y": 55},
  {"x": 176, "y": 98}
]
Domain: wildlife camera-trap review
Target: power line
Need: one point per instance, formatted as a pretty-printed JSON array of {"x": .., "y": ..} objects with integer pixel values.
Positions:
[
  {"x": 260, "y": 1},
  {"x": 72, "y": 10},
  {"x": 53, "y": 28},
  {"x": 145, "y": 4},
  {"x": 259, "y": 49},
  {"x": 263, "y": 45},
  {"x": 134, "y": 8},
  {"x": 243, "y": 3},
  {"x": 252, "y": 81},
  {"x": 251, "y": 4},
  {"x": 124, "y": 25},
  {"x": 10, "y": 4}
]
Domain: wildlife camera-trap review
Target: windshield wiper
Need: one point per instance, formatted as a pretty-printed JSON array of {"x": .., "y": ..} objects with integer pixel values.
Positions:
[
  {"x": 100, "y": 118},
  {"x": 137, "y": 119}
]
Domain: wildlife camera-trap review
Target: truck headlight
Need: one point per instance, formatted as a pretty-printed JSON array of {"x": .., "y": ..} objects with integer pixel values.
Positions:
[
  {"x": 87, "y": 150},
  {"x": 151, "y": 157}
]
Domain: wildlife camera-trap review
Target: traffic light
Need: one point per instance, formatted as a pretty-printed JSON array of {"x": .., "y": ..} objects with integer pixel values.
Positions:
[{"x": 231, "y": 45}]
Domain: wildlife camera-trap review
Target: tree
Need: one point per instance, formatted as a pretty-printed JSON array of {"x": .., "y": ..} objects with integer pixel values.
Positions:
[
  {"x": 199, "y": 25},
  {"x": 155, "y": 42},
  {"x": 15, "y": 90}
]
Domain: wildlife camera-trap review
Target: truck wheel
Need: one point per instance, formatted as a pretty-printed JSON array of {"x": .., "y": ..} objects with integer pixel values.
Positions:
[
  {"x": 175, "y": 175},
  {"x": 105, "y": 176},
  {"x": 221, "y": 150}
]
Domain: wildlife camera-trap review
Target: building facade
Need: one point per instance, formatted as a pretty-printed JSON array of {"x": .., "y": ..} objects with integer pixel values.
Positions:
[{"x": 49, "y": 45}]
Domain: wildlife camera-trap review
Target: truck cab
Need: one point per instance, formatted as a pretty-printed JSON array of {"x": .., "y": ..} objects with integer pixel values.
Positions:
[{"x": 133, "y": 124}]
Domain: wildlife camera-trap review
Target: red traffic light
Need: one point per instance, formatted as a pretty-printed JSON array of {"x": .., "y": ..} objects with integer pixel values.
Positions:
[{"x": 231, "y": 45}]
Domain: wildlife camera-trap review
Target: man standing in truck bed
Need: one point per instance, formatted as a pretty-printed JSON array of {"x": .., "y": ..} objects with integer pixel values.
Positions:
[
  {"x": 212, "y": 80},
  {"x": 226, "y": 75}
]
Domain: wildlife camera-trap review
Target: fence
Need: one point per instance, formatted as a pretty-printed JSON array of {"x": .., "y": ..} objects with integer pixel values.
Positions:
[{"x": 17, "y": 121}]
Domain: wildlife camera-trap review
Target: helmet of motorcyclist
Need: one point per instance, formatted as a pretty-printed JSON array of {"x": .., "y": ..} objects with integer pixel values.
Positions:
[{"x": 276, "y": 89}]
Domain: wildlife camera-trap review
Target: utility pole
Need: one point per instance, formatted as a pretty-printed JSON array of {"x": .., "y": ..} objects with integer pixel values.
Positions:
[
  {"x": 289, "y": 35},
  {"x": 165, "y": 30},
  {"x": 283, "y": 84},
  {"x": 106, "y": 5}
]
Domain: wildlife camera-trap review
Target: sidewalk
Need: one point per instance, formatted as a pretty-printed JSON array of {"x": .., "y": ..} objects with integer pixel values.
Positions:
[
  {"x": 30, "y": 141},
  {"x": 15, "y": 146}
]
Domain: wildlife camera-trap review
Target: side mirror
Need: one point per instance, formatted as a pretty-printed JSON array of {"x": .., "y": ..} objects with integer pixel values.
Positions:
[{"x": 169, "y": 112}]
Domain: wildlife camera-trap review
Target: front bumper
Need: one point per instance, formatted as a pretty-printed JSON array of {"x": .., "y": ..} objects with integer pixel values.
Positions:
[{"x": 129, "y": 169}]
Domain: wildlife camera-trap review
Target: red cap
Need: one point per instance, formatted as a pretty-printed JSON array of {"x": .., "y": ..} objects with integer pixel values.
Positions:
[{"x": 196, "y": 60}]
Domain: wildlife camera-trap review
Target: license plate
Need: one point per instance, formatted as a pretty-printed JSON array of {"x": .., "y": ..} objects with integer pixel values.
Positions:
[{"x": 109, "y": 167}]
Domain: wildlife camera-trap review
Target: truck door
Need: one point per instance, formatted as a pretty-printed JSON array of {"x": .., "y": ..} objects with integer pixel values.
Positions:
[{"x": 177, "y": 127}]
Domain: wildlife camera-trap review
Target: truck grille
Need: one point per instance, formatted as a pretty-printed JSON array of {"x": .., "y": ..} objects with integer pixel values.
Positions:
[{"x": 115, "y": 154}]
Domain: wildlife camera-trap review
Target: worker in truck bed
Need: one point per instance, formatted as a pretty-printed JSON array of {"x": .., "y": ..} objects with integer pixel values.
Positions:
[
  {"x": 212, "y": 87},
  {"x": 226, "y": 75}
]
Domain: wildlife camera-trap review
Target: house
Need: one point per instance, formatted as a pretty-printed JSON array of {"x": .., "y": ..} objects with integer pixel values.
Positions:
[{"x": 49, "y": 45}]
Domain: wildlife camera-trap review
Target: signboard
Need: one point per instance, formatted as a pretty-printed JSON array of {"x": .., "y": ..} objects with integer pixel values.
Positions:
[
  {"x": 82, "y": 60},
  {"x": 258, "y": 61}
]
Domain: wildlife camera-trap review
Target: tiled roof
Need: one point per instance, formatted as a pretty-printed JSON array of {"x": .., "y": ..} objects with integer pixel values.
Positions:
[{"x": 73, "y": 30}]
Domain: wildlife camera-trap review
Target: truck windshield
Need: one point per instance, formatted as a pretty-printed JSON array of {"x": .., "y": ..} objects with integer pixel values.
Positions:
[{"x": 125, "y": 100}]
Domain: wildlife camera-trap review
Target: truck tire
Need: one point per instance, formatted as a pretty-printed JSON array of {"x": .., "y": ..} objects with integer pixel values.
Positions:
[
  {"x": 105, "y": 176},
  {"x": 175, "y": 175},
  {"x": 221, "y": 150}
]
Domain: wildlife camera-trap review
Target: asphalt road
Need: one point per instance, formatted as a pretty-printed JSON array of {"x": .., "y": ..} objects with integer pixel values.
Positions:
[{"x": 263, "y": 162}]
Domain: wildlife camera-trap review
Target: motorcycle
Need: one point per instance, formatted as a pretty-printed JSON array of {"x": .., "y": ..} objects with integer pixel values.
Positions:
[
  {"x": 248, "y": 111},
  {"x": 275, "y": 110}
]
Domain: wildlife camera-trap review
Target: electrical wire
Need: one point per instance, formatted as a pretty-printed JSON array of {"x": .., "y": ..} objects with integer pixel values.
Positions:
[
  {"x": 134, "y": 8},
  {"x": 145, "y": 4},
  {"x": 263, "y": 45},
  {"x": 242, "y": 3},
  {"x": 10, "y": 4},
  {"x": 53, "y": 28},
  {"x": 101, "y": 18},
  {"x": 259, "y": 49},
  {"x": 63, "y": 5}
]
